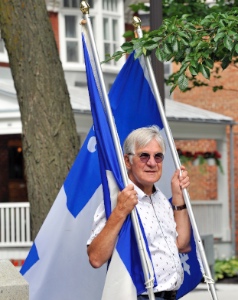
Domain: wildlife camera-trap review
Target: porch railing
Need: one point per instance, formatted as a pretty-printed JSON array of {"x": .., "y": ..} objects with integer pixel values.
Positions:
[
  {"x": 15, "y": 224},
  {"x": 210, "y": 218}
]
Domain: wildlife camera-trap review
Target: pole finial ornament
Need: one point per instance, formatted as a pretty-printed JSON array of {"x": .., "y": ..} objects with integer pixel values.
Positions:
[
  {"x": 84, "y": 7},
  {"x": 136, "y": 22}
]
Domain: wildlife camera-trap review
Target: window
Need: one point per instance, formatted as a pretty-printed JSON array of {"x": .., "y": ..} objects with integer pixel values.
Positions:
[
  {"x": 108, "y": 26},
  {"x": 71, "y": 39},
  {"x": 110, "y": 5},
  {"x": 76, "y": 3},
  {"x": 110, "y": 36},
  {"x": 71, "y": 31}
]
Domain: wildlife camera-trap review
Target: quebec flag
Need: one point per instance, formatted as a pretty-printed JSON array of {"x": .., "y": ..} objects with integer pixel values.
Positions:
[{"x": 57, "y": 265}]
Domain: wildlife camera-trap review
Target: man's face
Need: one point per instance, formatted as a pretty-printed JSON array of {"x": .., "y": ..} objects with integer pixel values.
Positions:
[{"x": 144, "y": 175}]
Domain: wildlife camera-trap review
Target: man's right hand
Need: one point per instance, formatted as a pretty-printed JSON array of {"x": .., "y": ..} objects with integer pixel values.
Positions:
[{"x": 126, "y": 200}]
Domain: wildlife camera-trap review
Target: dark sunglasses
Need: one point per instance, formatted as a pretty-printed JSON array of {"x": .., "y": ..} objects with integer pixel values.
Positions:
[{"x": 144, "y": 157}]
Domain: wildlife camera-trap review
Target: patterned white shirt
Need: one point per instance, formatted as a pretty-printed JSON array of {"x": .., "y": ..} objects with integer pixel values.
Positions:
[{"x": 160, "y": 228}]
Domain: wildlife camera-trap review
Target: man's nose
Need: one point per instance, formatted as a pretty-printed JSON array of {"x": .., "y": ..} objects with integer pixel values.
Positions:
[{"x": 151, "y": 161}]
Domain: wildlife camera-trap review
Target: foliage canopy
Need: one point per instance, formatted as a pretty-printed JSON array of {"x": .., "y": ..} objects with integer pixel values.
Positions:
[{"x": 194, "y": 35}]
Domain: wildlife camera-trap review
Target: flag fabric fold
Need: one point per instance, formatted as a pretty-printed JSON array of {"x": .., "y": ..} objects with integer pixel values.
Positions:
[{"x": 57, "y": 265}]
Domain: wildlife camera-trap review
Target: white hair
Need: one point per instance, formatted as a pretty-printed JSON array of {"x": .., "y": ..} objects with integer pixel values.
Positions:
[{"x": 141, "y": 137}]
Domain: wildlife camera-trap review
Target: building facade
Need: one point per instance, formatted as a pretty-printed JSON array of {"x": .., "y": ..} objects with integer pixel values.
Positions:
[{"x": 191, "y": 128}]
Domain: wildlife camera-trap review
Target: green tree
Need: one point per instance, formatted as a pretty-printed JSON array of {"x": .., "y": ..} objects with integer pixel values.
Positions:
[
  {"x": 194, "y": 35},
  {"x": 50, "y": 141}
]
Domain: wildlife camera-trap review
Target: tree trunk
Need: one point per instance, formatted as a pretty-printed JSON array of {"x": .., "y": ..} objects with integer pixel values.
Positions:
[{"x": 50, "y": 141}]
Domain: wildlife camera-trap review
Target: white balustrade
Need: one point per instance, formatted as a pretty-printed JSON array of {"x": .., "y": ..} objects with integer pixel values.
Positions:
[
  {"x": 15, "y": 224},
  {"x": 209, "y": 218}
]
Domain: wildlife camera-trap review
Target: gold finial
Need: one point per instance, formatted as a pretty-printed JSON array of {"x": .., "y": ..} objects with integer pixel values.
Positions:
[
  {"x": 84, "y": 7},
  {"x": 136, "y": 22}
]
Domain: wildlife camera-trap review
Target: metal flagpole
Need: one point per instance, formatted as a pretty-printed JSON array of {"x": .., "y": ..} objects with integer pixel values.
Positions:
[
  {"x": 207, "y": 273},
  {"x": 145, "y": 261}
]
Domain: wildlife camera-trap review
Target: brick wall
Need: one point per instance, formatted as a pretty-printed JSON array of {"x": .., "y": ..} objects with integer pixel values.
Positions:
[
  {"x": 203, "y": 177},
  {"x": 55, "y": 26},
  {"x": 224, "y": 102}
]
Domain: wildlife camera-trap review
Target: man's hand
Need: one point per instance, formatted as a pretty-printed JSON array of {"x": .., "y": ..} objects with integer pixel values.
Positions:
[
  {"x": 126, "y": 200},
  {"x": 180, "y": 180}
]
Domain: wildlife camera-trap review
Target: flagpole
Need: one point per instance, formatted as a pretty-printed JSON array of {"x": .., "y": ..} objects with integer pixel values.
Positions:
[
  {"x": 207, "y": 274},
  {"x": 147, "y": 268}
]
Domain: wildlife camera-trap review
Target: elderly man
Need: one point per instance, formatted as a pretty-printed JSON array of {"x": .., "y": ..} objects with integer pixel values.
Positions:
[{"x": 167, "y": 227}]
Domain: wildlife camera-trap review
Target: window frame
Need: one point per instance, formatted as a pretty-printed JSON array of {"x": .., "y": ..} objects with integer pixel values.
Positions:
[{"x": 97, "y": 13}]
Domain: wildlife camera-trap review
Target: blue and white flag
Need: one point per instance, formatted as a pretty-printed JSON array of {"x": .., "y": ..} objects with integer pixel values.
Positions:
[
  {"x": 131, "y": 275},
  {"x": 57, "y": 265}
]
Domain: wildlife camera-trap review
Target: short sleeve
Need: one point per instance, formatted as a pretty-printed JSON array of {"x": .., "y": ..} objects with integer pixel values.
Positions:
[{"x": 99, "y": 222}]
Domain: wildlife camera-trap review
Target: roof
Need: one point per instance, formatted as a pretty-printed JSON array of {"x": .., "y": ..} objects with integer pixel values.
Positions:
[{"x": 175, "y": 111}]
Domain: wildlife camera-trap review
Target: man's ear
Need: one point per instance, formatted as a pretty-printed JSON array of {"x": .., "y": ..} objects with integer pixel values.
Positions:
[{"x": 127, "y": 161}]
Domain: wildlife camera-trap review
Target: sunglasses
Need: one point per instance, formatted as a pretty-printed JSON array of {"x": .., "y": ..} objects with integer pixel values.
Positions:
[{"x": 144, "y": 157}]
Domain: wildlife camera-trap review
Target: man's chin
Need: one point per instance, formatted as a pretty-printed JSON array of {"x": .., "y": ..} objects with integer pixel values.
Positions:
[{"x": 152, "y": 178}]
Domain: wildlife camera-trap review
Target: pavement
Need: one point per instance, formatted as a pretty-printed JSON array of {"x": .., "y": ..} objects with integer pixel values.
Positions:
[{"x": 223, "y": 292}]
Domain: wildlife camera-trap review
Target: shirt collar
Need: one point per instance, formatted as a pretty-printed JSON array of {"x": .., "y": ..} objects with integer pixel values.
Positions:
[{"x": 140, "y": 193}]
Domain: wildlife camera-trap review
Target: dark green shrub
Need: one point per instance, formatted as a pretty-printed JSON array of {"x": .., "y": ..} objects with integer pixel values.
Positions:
[{"x": 226, "y": 268}]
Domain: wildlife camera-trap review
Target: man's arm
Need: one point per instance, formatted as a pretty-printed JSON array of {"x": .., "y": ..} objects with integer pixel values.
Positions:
[
  {"x": 181, "y": 217},
  {"x": 102, "y": 246}
]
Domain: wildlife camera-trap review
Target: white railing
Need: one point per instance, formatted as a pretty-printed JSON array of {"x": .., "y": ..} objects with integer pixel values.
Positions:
[
  {"x": 209, "y": 218},
  {"x": 15, "y": 224}
]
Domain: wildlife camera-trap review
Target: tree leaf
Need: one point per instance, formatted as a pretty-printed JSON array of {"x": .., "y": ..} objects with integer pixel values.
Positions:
[
  {"x": 183, "y": 34},
  {"x": 144, "y": 51},
  {"x": 216, "y": 88},
  {"x": 228, "y": 43},
  {"x": 156, "y": 39},
  {"x": 219, "y": 36},
  {"x": 128, "y": 33},
  {"x": 205, "y": 71},
  {"x": 202, "y": 45},
  {"x": 173, "y": 88},
  {"x": 236, "y": 48},
  {"x": 184, "y": 41},
  {"x": 138, "y": 53},
  {"x": 127, "y": 47},
  {"x": 167, "y": 48},
  {"x": 159, "y": 54},
  {"x": 192, "y": 71},
  {"x": 194, "y": 64},
  {"x": 194, "y": 43},
  {"x": 225, "y": 62},
  {"x": 209, "y": 63},
  {"x": 118, "y": 56},
  {"x": 175, "y": 46},
  {"x": 137, "y": 43},
  {"x": 182, "y": 82},
  {"x": 150, "y": 45}
]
